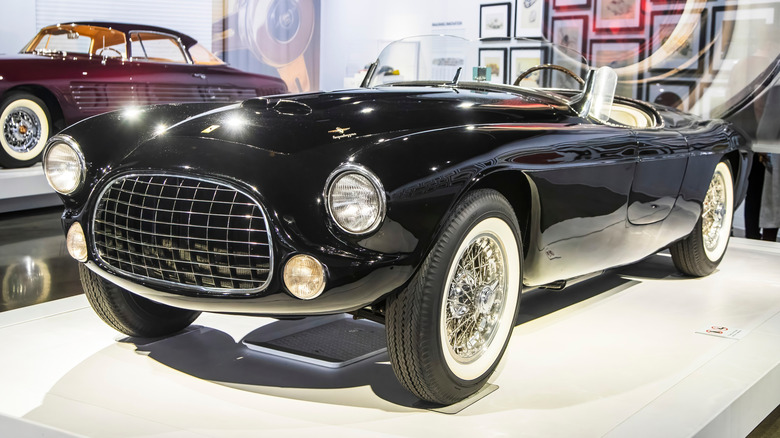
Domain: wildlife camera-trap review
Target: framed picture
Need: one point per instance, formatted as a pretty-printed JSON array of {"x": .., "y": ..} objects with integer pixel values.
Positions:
[
  {"x": 685, "y": 54},
  {"x": 618, "y": 54},
  {"x": 565, "y": 5},
  {"x": 619, "y": 16},
  {"x": 523, "y": 58},
  {"x": 495, "y": 60},
  {"x": 722, "y": 33},
  {"x": 494, "y": 21},
  {"x": 570, "y": 32},
  {"x": 529, "y": 18},
  {"x": 680, "y": 94}
]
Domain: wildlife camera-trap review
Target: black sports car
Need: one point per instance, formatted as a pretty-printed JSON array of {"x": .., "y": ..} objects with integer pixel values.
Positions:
[{"x": 421, "y": 200}]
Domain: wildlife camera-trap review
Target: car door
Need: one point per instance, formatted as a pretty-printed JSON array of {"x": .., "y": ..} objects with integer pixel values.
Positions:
[{"x": 662, "y": 157}]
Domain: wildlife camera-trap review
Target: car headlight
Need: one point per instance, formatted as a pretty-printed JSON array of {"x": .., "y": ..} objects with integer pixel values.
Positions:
[
  {"x": 64, "y": 165},
  {"x": 355, "y": 199}
]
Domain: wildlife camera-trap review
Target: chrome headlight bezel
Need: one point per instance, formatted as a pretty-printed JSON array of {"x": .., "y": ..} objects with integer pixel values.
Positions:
[
  {"x": 66, "y": 141},
  {"x": 379, "y": 191}
]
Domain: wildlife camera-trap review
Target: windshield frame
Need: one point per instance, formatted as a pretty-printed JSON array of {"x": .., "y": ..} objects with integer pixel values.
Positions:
[{"x": 369, "y": 80}]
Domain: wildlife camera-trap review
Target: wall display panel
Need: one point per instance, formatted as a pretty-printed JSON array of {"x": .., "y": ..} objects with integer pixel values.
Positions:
[
  {"x": 565, "y": 5},
  {"x": 495, "y": 59},
  {"x": 523, "y": 58},
  {"x": 686, "y": 49},
  {"x": 676, "y": 94},
  {"x": 529, "y": 18},
  {"x": 618, "y": 54},
  {"x": 494, "y": 21},
  {"x": 754, "y": 20},
  {"x": 619, "y": 16}
]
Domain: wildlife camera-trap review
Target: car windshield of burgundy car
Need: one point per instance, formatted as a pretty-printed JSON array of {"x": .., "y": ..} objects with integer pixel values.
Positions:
[
  {"x": 79, "y": 39},
  {"x": 448, "y": 60}
]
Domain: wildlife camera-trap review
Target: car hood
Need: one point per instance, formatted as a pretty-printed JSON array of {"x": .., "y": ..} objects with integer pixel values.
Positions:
[{"x": 292, "y": 124}]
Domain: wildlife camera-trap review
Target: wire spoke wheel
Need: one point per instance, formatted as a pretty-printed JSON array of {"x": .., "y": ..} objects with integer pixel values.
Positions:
[
  {"x": 447, "y": 331},
  {"x": 700, "y": 252},
  {"x": 475, "y": 298}
]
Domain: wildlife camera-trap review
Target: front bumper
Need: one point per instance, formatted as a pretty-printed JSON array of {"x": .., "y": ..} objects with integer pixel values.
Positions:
[{"x": 343, "y": 298}]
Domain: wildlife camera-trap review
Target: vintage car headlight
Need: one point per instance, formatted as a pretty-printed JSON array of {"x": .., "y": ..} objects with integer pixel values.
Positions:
[
  {"x": 63, "y": 164},
  {"x": 355, "y": 199}
]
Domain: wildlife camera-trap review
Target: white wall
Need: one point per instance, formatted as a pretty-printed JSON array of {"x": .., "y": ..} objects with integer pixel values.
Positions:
[
  {"x": 17, "y": 24},
  {"x": 354, "y": 31}
]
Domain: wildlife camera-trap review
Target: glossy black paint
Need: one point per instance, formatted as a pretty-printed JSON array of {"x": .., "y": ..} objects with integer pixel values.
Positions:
[{"x": 588, "y": 196}]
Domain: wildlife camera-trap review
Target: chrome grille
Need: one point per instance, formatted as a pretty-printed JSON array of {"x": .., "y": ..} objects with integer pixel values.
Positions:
[{"x": 193, "y": 233}]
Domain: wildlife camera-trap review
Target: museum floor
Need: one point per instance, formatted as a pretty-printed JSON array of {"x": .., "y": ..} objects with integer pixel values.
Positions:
[{"x": 618, "y": 355}]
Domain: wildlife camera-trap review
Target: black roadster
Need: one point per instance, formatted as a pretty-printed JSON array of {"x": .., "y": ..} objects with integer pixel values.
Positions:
[{"x": 422, "y": 200}]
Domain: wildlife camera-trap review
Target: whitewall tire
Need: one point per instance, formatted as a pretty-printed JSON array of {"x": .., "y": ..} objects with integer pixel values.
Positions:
[
  {"x": 448, "y": 330},
  {"x": 701, "y": 252}
]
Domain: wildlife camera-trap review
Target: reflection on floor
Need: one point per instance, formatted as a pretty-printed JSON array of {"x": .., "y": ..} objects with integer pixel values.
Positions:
[
  {"x": 618, "y": 355},
  {"x": 34, "y": 264}
]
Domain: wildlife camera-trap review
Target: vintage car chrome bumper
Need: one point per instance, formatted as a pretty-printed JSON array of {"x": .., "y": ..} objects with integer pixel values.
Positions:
[{"x": 344, "y": 298}]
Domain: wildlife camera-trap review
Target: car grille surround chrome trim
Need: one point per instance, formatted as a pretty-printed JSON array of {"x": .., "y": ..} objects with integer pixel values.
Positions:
[{"x": 216, "y": 241}]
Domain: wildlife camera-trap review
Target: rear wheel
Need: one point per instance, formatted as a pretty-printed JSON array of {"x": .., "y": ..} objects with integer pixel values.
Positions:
[
  {"x": 26, "y": 124},
  {"x": 129, "y": 313},
  {"x": 448, "y": 330},
  {"x": 701, "y": 252}
]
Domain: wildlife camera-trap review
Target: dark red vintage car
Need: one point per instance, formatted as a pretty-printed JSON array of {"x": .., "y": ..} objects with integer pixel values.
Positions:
[{"x": 72, "y": 71}]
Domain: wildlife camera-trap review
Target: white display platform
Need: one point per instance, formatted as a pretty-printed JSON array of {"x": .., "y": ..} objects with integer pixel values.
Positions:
[
  {"x": 620, "y": 357},
  {"x": 25, "y": 189}
]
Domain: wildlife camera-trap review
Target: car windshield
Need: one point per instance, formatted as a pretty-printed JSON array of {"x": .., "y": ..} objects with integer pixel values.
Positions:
[
  {"x": 84, "y": 39},
  {"x": 446, "y": 60}
]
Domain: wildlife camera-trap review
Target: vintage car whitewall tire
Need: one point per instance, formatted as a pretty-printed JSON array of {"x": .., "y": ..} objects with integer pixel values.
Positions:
[
  {"x": 449, "y": 328},
  {"x": 129, "y": 313},
  {"x": 701, "y": 251},
  {"x": 25, "y": 125}
]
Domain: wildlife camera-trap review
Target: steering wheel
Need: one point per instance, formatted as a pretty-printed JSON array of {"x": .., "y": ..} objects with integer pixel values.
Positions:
[
  {"x": 526, "y": 73},
  {"x": 100, "y": 52}
]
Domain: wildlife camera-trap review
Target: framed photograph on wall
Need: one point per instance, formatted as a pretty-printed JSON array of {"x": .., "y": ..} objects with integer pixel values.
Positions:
[
  {"x": 685, "y": 54},
  {"x": 571, "y": 32},
  {"x": 529, "y": 18},
  {"x": 523, "y": 58},
  {"x": 722, "y": 32},
  {"x": 565, "y": 5},
  {"x": 619, "y": 16},
  {"x": 618, "y": 54},
  {"x": 495, "y": 60},
  {"x": 494, "y": 21},
  {"x": 678, "y": 94}
]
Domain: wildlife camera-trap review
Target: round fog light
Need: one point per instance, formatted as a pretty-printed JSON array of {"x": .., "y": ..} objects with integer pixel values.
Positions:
[
  {"x": 304, "y": 277},
  {"x": 77, "y": 243}
]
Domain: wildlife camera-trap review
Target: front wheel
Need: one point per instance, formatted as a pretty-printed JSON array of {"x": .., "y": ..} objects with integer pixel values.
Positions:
[
  {"x": 448, "y": 329},
  {"x": 701, "y": 251},
  {"x": 129, "y": 313},
  {"x": 26, "y": 125}
]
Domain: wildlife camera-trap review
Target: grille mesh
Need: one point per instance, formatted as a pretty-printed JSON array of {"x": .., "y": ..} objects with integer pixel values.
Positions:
[{"x": 195, "y": 233}]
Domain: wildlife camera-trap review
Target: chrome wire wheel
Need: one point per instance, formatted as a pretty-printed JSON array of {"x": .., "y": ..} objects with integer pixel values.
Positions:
[
  {"x": 717, "y": 213},
  {"x": 475, "y": 298},
  {"x": 22, "y": 129},
  {"x": 479, "y": 299},
  {"x": 25, "y": 124}
]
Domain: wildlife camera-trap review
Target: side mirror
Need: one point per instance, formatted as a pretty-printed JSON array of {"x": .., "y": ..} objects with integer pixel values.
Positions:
[{"x": 599, "y": 94}]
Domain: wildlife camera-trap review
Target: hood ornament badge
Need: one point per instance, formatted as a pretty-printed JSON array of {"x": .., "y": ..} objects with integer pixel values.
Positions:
[{"x": 342, "y": 133}]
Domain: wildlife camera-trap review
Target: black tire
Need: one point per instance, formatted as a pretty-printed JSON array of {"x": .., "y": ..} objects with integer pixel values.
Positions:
[
  {"x": 697, "y": 254},
  {"x": 422, "y": 359},
  {"x": 23, "y": 111},
  {"x": 129, "y": 313}
]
